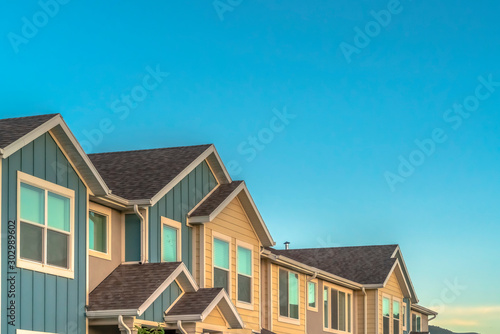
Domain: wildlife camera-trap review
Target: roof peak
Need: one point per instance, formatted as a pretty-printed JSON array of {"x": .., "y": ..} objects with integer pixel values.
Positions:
[{"x": 22, "y": 117}]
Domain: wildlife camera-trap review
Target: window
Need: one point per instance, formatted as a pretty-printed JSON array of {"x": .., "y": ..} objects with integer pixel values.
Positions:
[
  {"x": 395, "y": 316},
  {"x": 403, "y": 315},
  {"x": 244, "y": 275},
  {"x": 46, "y": 215},
  {"x": 289, "y": 294},
  {"x": 337, "y": 313},
  {"x": 221, "y": 264},
  {"x": 312, "y": 295},
  {"x": 416, "y": 322},
  {"x": 99, "y": 231},
  {"x": 171, "y": 240},
  {"x": 386, "y": 313}
]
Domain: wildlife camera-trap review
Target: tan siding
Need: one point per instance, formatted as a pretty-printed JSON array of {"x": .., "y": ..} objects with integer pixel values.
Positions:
[
  {"x": 215, "y": 318},
  {"x": 359, "y": 312},
  {"x": 372, "y": 309},
  {"x": 232, "y": 222},
  {"x": 280, "y": 327},
  {"x": 394, "y": 290}
]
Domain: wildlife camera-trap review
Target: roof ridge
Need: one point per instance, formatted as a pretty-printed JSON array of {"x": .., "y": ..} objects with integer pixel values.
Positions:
[
  {"x": 150, "y": 149},
  {"x": 312, "y": 248},
  {"x": 15, "y": 118}
]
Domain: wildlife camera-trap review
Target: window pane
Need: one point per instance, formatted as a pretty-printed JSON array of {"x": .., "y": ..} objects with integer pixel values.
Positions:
[
  {"x": 221, "y": 254},
  {"x": 311, "y": 294},
  {"x": 169, "y": 244},
  {"x": 335, "y": 309},
  {"x": 325, "y": 306},
  {"x": 396, "y": 326},
  {"x": 349, "y": 315},
  {"x": 386, "y": 307},
  {"x": 32, "y": 204},
  {"x": 386, "y": 325},
  {"x": 342, "y": 311},
  {"x": 58, "y": 212},
  {"x": 244, "y": 289},
  {"x": 244, "y": 261},
  {"x": 294, "y": 295},
  {"x": 31, "y": 242},
  {"x": 57, "y": 249},
  {"x": 413, "y": 322},
  {"x": 221, "y": 279},
  {"x": 98, "y": 232},
  {"x": 418, "y": 324},
  {"x": 283, "y": 287},
  {"x": 395, "y": 309}
]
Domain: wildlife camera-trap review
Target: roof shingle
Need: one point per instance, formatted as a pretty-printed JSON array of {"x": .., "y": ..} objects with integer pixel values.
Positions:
[
  {"x": 130, "y": 285},
  {"x": 136, "y": 175},
  {"x": 12, "y": 129},
  {"x": 215, "y": 199},
  {"x": 194, "y": 302},
  {"x": 364, "y": 265}
]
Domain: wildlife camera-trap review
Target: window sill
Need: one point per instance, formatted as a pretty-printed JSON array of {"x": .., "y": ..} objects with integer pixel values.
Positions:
[
  {"x": 313, "y": 309},
  {"x": 46, "y": 269},
  {"x": 105, "y": 256},
  {"x": 289, "y": 320},
  {"x": 244, "y": 305}
]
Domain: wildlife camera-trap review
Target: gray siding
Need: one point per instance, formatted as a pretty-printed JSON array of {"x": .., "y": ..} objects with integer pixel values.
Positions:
[
  {"x": 44, "y": 302},
  {"x": 175, "y": 205}
]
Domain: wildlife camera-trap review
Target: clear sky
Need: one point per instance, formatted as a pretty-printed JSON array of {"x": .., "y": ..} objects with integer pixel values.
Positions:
[{"x": 344, "y": 127}]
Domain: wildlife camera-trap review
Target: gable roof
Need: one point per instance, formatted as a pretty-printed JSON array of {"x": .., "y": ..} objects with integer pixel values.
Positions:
[
  {"x": 15, "y": 133},
  {"x": 147, "y": 175},
  {"x": 131, "y": 288},
  {"x": 215, "y": 202},
  {"x": 196, "y": 306},
  {"x": 366, "y": 264},
  {"x": 12, "y": 129}
]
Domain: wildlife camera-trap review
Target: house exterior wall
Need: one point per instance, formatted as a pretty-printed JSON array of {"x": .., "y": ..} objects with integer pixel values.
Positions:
[
  {"x": 175, "y": 205},
  {"x": 157, "y": 310},
  {"x": 391, "y": 290},
  {"x": 44, "y": 302},
  {"x": 234, "y": 224},
  {"x": 100, "y": 268}
]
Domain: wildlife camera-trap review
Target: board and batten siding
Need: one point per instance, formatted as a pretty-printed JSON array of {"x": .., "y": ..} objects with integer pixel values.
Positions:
[
  {"x": 157, "y": 310},
  {"x": 175, "y": 205},
  {"x": 44, "y": 303},
  {"x": 233, "y": 223}
]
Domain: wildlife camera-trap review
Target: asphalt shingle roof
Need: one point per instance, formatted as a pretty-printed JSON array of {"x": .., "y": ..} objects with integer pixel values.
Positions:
[
  {"x": 142, "y": 174},
  {"x": 215, "y": 199},
  {"x": 12, "y": 129},
  {"x": 194, "y": 302},
  {"x": 130, "y": 285},
  {"x": 364, "y": 265}
]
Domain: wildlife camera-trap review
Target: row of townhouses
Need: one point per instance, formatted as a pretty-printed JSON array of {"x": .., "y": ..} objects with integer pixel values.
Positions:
[{"x": 113, "y": 242}]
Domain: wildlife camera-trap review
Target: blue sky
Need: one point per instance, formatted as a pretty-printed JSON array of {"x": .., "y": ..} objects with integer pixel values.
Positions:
[{"x": 319, "y": 173}]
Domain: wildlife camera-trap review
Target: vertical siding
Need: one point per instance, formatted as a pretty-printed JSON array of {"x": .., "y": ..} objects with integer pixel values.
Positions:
[
  {"x": 132, "y": 238},
  {"x": 44, "y": 302},
  {"x": 156, "y": 311},
  {"x": 175, "y": 205}
]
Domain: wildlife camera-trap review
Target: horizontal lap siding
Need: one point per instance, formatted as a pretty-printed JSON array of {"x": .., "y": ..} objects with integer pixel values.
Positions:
[
  {"x": 372, "y": 311},
  {"x": 233, "y": 222},
  {"x": 44, "y": 302},
  {"x": 175, "y": 205},
  {"x": 282, "y": 327}
]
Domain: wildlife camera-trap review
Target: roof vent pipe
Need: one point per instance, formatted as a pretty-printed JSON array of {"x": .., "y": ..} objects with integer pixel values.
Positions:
[{"x": 287, "y": 245}]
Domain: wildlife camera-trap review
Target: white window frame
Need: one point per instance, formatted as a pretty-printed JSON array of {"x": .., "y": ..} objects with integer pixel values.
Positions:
[
  {"x": 59, "y": 190},
  {"x": 239, "y": 303},
  {"x": 177, "y": 226},
  {"x": 106, "y": 212},
  {"x": 281, "y": 318},
  {"x": 329, "y": 314},
  {"x": 396, "y": 299},
  {"x": 316, "y": 287},
  {"x": 225, "y": 238},
  {"x": 391, "y": 330},
  {"x": 404, "y": 316}
]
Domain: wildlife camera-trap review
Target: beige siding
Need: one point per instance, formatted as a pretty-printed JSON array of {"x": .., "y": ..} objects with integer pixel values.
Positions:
[
  {"x": 216, "y": 318},
  {"x": 264, "y": 274},
  {"x": 392, "y": 289},
  {"x": 100, "y": 268},
  {"x": 280, "y": 327},
  {"x": 233, "y": 223},
  {"x": 372, "y": 311},
  {"x": 359, "y": 302}
]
